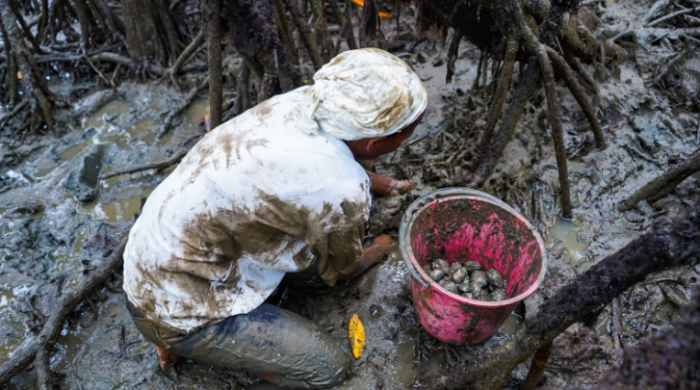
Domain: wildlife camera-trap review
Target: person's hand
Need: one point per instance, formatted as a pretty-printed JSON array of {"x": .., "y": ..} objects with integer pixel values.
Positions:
[
  {"x": 400, "y": 187},
  {"x": 385, "y": 243},
  {"x": 373, "y": 254}
]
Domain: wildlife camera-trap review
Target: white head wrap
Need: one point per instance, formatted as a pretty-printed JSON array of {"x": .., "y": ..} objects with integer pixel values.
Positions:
[{"x": 362, "y": 94}]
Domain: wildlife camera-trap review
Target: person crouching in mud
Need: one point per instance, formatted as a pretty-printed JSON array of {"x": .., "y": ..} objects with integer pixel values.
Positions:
[{"x": 275, "y": 190}]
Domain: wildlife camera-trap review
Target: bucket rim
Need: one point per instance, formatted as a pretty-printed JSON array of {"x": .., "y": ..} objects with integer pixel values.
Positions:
[{"x": 447, "y": 193}]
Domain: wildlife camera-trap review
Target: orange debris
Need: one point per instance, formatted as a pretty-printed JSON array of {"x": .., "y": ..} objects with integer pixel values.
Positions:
[{"x": 361, "y": 3}]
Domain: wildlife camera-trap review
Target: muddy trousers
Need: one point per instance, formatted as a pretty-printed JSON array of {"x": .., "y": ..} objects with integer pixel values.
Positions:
[{"x": 273, "y": 343}]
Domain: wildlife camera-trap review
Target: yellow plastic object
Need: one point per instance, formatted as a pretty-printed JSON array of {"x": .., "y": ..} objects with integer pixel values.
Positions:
[
  {"x": 356, "y": 333},
  {"x": 361, "y": 4}
]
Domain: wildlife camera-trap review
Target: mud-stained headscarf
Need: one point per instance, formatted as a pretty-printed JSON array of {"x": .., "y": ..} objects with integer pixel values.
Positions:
[{"x": 362, "y": 94}]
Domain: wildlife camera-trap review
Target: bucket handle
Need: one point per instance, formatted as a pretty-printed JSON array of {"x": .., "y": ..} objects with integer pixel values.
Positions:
[
  {"x": 410, "y": 266},
  {"x": 416, "y": 275}
]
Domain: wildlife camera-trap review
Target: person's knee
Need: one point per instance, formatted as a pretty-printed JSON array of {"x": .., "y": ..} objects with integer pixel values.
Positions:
[
  {"x": 320, "y": 371},
  {"x": 338, "y": 369}
]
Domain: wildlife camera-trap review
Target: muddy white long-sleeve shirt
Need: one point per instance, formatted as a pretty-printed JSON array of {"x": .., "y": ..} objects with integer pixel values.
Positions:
[{"x": 254, "y": 199}]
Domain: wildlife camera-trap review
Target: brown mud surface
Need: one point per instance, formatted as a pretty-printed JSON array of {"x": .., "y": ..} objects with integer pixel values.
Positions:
[{"x": 50, "y": 239}]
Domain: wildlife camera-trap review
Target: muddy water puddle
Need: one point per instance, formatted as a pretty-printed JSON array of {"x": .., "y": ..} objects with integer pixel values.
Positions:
[
  {"x": 68, "y": 260},
  {"x": 11, "y": 321},
  {"x": 114, "y": 211},
  {"x": 511, "y": 325},
  {"x": 569, "y": 234},
  {"x": 116, "y": 123}
]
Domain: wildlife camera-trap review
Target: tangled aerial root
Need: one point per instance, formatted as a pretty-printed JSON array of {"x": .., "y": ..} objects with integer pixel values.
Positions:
[{"x": 538, "y": 46}]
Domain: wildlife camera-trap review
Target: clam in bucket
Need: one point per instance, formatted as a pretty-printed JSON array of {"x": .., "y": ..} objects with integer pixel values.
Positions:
[{"x": 465, "y": 225}]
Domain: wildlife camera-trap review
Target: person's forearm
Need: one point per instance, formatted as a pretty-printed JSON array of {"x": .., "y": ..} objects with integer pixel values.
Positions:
[
  {"x": 370, "y": 256},
  {"x": 381, "y": 185}
]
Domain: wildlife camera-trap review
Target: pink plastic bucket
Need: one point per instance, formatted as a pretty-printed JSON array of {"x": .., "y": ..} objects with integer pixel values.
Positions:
[{"x": 462, "y": 225}]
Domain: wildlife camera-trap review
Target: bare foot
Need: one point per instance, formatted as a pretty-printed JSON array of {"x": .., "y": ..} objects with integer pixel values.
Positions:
[{"x": 167, "y": 358}]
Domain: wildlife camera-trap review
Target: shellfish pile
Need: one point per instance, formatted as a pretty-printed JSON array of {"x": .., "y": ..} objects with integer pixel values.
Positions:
[{"x": 468, "y": 279}]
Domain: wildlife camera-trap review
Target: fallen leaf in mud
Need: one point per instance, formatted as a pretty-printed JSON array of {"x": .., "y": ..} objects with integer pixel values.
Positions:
[{"x": 356, "y": 333}]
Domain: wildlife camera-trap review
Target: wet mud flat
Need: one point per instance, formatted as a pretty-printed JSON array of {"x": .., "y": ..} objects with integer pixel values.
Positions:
[{"x": 51, "y": 239}]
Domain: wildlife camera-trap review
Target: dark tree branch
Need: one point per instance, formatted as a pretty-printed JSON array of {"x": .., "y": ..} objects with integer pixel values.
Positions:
[
  {"x": 305, "y": 32},
  {"x": 539, "y": 362},
  {"x": 553, "y": 106},
  {"x": 44, "y": 376},
  {"x": 664, "y": 184},
  {"x": 346, "y": 31},
  {"x": 566, "y": 73},
  {"x": 11, "y": 67},
  {"x": 190, "y": 50},
  {"x": 322, "y": 28},
  {"x": 452, "y": 55},
  {"x": 499, "y": 97},
  {"x": 214, "y": 49},
  {"x": 285, "y": 31},
  {"x": 33, "y": 85},
  {"x": 494, "y": 145},
  {"x": 25, "y": 29}
]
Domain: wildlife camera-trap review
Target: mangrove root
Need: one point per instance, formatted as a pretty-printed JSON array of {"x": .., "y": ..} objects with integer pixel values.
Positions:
[
  {"x": 664, "y": 184},
  {"x": 23, "y": 356},
  {"x": 523, "y": 30},
  {"x": 539, "y": 362}
]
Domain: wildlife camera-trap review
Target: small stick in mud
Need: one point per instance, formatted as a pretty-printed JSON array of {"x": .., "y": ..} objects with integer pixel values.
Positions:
[
  {"x": 174, "y": 159},
  {"x": 155, "y": 69},
  {"x": 654, "y": 9},
  {"x": 475, "y": 85},
  {"x": 14, "y": 112},
  {"x": 664, "y": 184},
  {"x": 673, "y": 15},
  {"x": 616, "y": 330}
]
